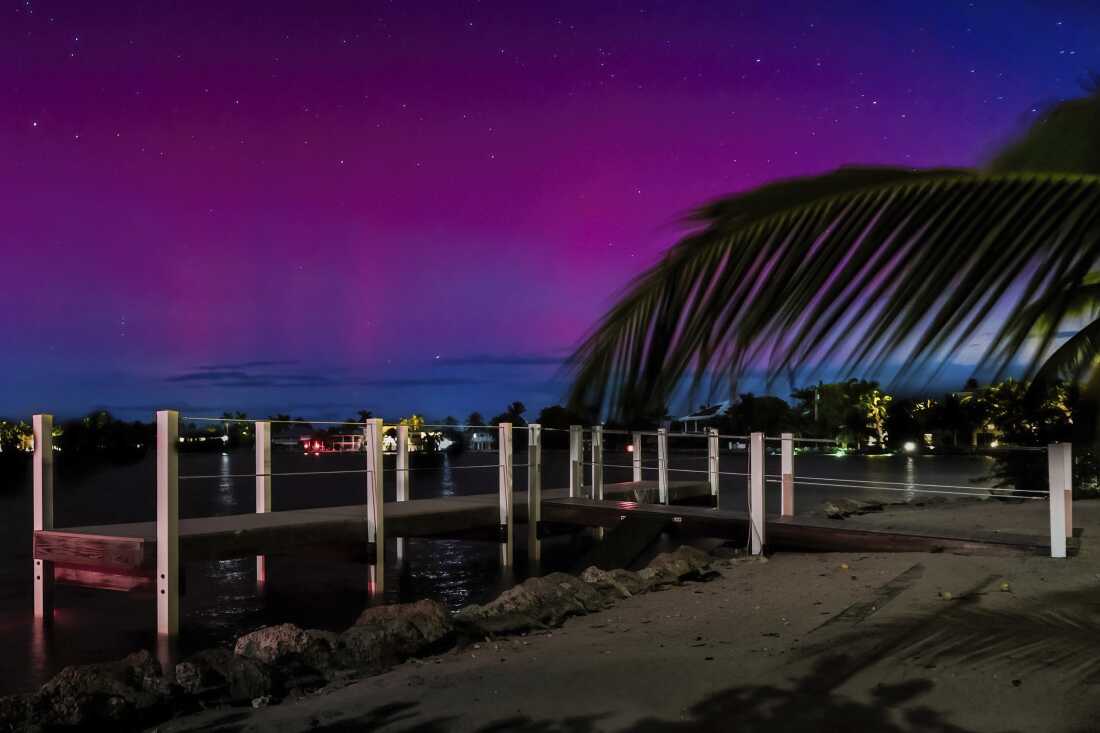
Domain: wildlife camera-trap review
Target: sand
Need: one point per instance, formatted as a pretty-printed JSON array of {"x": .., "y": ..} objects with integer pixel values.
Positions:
[{"x": 800, "y": 642}]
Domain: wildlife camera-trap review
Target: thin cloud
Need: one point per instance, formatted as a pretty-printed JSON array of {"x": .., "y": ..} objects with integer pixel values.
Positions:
[
  {"x": 261, "y": 364},
  {"x": 242, "y": 378},
  {"x": 503, "y": 360}
]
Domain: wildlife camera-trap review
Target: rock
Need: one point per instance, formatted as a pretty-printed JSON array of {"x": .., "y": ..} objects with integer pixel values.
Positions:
[
  {"x": 277, "y": 645},
  {"x": 385, "y": 635},
  {"x": 684, "y": 563},
  {"x": 416, "y": 624},
  {"x": 619, "y": 583},
  {"x": 261, "y": 702},
  {"x": 300, "y": 658},
  {"x": 124, "y": 693},
  {"x": 534, "y": 604},
  {"x": 727, "y": 552},
  {"x": 220, "y": 673},
  {"x": 16, "y": 713},
  {"x": 842, "y": 508}
]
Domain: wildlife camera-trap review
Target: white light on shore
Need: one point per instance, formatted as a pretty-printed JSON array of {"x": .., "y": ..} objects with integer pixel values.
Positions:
[{"x": 910, "y": 447}]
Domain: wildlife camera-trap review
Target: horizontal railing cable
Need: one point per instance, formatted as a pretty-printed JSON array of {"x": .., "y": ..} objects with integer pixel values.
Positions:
[
  {"x": 192, "y": 477},
  {"x": 910, "y": 491},
  {"x": 913, "y": 484}
]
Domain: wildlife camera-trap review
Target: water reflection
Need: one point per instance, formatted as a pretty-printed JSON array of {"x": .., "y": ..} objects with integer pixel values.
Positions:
[
  {"x": 446, "y": 478},
  {"x": 227, "y": 497}
]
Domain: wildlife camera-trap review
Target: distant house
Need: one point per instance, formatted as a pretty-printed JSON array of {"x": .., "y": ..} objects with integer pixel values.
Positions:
[
  {"x": 702, "y": 419},
  {"x": 482, "y": 439},
  {"x": 290, "y": 436}
]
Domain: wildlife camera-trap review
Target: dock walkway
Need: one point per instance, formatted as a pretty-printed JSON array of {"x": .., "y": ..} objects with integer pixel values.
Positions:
[{"x": 130, "y": 549}]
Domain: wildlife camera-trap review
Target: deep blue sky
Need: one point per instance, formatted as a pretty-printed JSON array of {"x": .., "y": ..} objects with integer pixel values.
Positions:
[{"x": 424, "y": 206}]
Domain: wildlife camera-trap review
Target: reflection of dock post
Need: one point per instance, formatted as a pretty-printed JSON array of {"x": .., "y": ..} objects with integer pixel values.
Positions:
[
  {"x": 662, "y": 465},
  {"x": 756, "y": 492},
  {"x": 402, "y": 474},
  {"x": 534, "y": 494},
  {"x": 263, "y": 488},
  {"x": 505, "y": 485},
  {"x": 375, "y": 527},
  {"x": 712, "y": 460},
  {"x": 576, "y": 458},
  {"x": 636, "y": 457},
  {"x": 597, "y": 461},
  {"x": 1059, "y": 472},
  {"x": 168, "y": 536},
  {"x": 786, "y": 478},
  {"x": 43, "y": 512}
]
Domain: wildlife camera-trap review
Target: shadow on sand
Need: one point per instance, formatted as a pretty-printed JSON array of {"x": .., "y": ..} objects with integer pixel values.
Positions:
[{"x": 810, "y": 706}]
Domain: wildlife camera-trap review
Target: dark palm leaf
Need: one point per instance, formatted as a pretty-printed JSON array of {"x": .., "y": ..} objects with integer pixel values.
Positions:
[
  {"x": 847, "y": 270},
  {"x": 1061, "y": 628}
]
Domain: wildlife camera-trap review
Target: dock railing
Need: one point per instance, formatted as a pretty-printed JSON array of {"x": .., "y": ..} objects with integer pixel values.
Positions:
[{"x": 166, "y": 581}]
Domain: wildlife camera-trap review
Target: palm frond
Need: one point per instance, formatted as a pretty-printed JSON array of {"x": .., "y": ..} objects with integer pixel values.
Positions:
[
  {"x": 850, "y": 270},
  {"x": 1060, "y": 629}
]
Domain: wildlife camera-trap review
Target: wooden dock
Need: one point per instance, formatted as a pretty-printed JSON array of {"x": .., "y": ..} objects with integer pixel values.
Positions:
[
  {"x": 151, "y": 555},
  {"x": 123, "y": 556}
]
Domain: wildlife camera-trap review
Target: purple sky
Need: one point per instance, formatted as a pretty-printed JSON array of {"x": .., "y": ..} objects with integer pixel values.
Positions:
[{"x": 399, "y": 206}]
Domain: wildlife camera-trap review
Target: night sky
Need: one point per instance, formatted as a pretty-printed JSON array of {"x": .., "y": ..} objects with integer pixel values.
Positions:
[{"x": 320, "y": 207}]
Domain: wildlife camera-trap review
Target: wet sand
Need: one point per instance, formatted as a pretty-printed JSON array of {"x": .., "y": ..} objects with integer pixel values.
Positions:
[{"x": 801, "y": 642}]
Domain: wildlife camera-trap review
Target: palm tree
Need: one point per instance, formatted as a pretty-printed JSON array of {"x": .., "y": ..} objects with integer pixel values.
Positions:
[{"x": 889, "y": 270}]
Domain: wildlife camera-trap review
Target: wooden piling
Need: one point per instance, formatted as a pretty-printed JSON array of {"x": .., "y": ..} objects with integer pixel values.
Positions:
[
  {"x": 402, "y": 476},
  {"x": 1067, "y": 479},
  {"x": 756, "y": 492},
  {"x": 43, "y": 512},
  {"x": 636, "y": 457},
  {"x": 786, "y": 478},
  {"x": 372, "y": 435},
  {"x": 263, "y": 486},
  {"x": 713, "y": 475},
  {"x": 1057, "y": 466},
  {"x": 662, "y": 465},
  {"x": 576, "y": 459},
  {"x": 597, "y": 462},
  {"x": 168, "y": 508},
  {"x": 504, "y": 443},
  {"x": 534, "y": 493}
]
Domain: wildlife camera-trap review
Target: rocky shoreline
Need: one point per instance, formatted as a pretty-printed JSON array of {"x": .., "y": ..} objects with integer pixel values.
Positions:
[{"x": 285, "y": 662}]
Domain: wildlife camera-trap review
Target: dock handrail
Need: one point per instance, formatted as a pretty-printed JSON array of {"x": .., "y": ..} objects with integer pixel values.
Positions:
[{"x": 166, "y": 579}]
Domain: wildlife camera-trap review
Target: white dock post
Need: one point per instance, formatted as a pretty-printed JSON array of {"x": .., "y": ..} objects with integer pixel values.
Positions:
[
  {"x": 505, "y": 463},
  {"x": 1057, "y": 498},
  {"x": 376, "y": 533},
  {"x": 263, "y": 486},
  {"x": 636, "y": 457},
  {"x": 712, "y": 460},
  {"x": 756, "y": 492},
  {"x": 597, "y": 462},
  {"x": 43, "y": 511},
  {"x": 576, "y": 459},
  {"x": 168, "y": 513},
  {"x": 402, "y": 474},
  {"x": 534, "y": 492},
  {"x": 1067, "y": 479},
  {"x": 786, "y": 471},
  {"x": 662, "y": 465}
]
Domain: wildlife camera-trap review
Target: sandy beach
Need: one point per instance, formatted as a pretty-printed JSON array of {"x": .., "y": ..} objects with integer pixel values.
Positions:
[{"x": 799, "y": 642}]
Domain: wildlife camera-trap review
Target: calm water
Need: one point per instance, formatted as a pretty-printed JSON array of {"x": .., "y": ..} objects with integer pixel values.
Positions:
[{"x": 221, "y": 598}]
